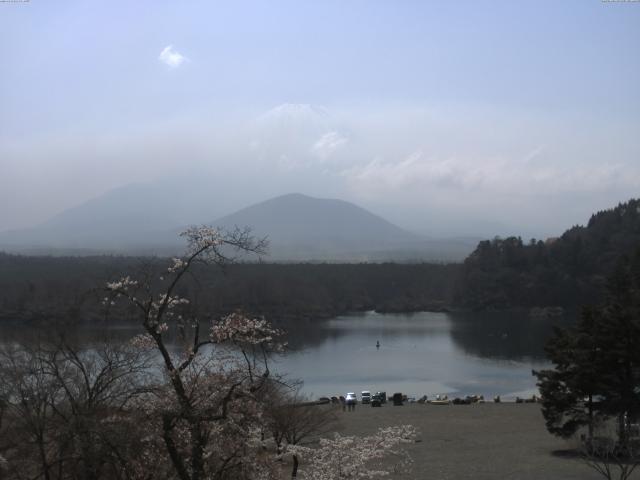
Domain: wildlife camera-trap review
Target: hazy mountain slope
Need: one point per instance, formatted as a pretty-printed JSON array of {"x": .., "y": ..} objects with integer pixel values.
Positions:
[
  {"x": 135, "y": 215},
  {"x": 300, "y": 221},
  {"x": 146, "y": 219},
  {"x": 300, "y": 227}
]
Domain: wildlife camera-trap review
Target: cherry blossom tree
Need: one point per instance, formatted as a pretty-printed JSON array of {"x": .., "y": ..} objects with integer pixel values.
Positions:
[
  {"x": 352, "y": 457},
  {"x": 292, "y": 419},
  {"x": 208, "y": 412}
]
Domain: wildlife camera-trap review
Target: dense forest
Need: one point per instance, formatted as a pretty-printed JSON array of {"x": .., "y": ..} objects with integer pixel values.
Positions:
[
  {"x": 565, "y": 271},
  {"x": 35, "y": 288},
  {"x": 501, "y": 273}
]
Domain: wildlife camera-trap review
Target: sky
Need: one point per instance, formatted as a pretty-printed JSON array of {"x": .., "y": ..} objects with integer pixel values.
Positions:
[{"x": 464, "y": 117}]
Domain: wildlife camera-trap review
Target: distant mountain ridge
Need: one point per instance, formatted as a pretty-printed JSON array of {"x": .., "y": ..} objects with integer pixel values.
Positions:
[
  {"x": 296, "y": 221},
  {"x": 132, "y": 216},
  {"x": 135, "y": 220}
]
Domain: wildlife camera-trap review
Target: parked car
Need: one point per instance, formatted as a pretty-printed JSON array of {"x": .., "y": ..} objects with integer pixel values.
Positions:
[
  {"x": 376, "y": 400},
  {"x": 366, "y": 396},
  {"x": 351, "y": 398},
  {"x": 382, "y": 396},
  {"x": 397, "y": 399}
]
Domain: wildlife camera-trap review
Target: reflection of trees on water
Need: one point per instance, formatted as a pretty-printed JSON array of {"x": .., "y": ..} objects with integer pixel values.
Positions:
[
  {"x": 306, "y": 334},
  {"x": 504, "y": 335},
  {"x": 491, "y": 335},
  {"x": 299, "y": 335},
  {"x": 73, "y": 332}
]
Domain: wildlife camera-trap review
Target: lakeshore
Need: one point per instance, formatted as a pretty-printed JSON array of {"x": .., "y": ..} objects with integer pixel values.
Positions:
[{"x": 479, "y": 441}]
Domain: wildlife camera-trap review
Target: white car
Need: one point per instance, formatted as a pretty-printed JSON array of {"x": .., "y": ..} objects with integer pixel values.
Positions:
[
  {"x": 366, "y": 396},
  {"x": 351, "y": 398}
]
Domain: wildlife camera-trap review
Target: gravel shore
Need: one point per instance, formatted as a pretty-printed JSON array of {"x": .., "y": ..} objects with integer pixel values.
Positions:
[{"x": 480, "y": 441}]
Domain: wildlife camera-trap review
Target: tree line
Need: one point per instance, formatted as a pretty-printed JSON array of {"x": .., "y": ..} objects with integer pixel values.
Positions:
[
  {"x": 567, "y": 271},
  {"x": 50, "y": 288}
]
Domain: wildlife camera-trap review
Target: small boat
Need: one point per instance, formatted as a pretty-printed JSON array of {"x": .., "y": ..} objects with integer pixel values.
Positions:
[{"x": 438, "y": 402}]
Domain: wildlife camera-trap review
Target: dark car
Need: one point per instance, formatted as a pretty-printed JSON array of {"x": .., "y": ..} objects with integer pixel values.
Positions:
[
  {"x": 383, "y": 396},
  {"x": 397, "y": 399},
  {"x": 376, "y": 400}
]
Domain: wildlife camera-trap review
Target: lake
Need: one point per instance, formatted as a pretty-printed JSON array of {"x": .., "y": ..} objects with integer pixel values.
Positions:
[{"x": 423, "y": 354}]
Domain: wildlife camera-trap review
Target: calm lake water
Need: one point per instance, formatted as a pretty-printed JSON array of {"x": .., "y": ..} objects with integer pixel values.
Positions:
[
  {"x": 423, "y": 354},
  {"x": 420, "y": 354}
]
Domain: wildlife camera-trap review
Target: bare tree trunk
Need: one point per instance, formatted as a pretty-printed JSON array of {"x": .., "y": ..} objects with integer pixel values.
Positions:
[
  {"x": 176, "y": 459},
  {"x": 294, "y": 471},
  {"x": 622, "y": 431},
  {"x": 197, "y": 451},
  {"x": 590, "y": 409},
  {"x": 43, "y": 458}
]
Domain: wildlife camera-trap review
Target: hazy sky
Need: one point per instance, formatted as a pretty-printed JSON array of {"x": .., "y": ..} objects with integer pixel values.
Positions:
[{"x": 438, "y": 115}]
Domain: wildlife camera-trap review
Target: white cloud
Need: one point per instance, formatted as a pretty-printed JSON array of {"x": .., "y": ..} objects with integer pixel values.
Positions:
[
  {"x": 171, "y": 57},
  {"x": 488, "y": 175},
  {"x": 416, "y": 170},
  {"x": 327, "y": 144}
]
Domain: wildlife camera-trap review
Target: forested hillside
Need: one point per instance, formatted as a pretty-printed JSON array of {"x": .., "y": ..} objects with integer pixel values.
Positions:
[
  {"x": 50, "y": 288},
  {"x": 565, "y": 271}
]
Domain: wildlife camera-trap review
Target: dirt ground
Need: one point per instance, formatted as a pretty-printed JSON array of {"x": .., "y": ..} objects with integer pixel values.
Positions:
[{"x": 481, "y": 441}]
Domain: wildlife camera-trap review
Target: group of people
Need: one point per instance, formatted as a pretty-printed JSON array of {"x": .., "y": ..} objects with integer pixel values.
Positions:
[{"x": 349, "y": 405}]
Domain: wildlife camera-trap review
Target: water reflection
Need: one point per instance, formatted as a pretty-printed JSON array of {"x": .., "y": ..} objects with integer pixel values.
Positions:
[
  {"x": 424, "y": 353},
  {"x": 503, "y": 335},
  {"x": 421, "y": 353}
]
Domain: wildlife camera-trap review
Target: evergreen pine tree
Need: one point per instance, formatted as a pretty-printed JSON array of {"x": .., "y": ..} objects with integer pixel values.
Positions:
[
  {"x": 597, "y": 364},
  {"x": 568, "y": 390}
]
